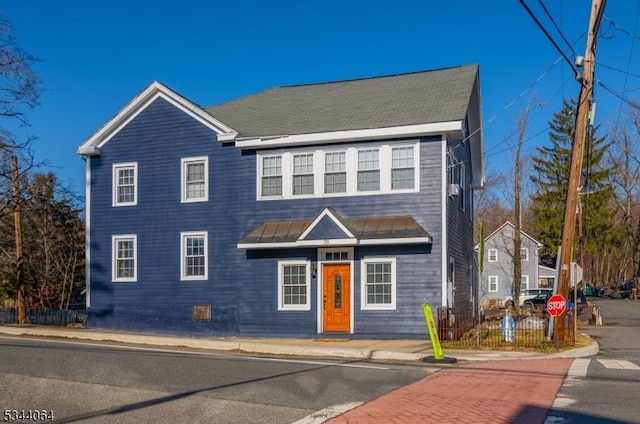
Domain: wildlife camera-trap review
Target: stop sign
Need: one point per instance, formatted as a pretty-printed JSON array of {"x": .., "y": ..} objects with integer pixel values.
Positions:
[{"x": 556, "y": 305}]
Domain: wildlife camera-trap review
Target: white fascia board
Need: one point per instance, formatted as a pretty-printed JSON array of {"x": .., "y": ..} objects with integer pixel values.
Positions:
[
  {"x": 351, "y": 135},
  {"x": 154, "y": 91},
  {"x": 335, "y": 242},
  {"x": 409, "y": 240}
]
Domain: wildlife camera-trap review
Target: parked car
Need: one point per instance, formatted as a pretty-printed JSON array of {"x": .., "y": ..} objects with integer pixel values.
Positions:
[
  {"x": 525, "y": 295},
  {"x": 538, "y": 302},
  {"x": 591, "y": 290}
]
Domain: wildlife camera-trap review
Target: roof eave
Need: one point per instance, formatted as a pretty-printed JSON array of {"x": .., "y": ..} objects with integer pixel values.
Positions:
[
  {"x": 450, "y": 127},
  {"x": 92, "y": 145}
]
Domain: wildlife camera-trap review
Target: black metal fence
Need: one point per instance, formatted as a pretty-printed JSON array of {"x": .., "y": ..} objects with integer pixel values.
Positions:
[
  {"x": 462, "y": 328},
  {"x": 57, "y": 317}
]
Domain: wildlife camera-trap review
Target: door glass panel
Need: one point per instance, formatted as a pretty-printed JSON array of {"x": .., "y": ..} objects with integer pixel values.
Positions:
[{"x": 337, "y": 292}]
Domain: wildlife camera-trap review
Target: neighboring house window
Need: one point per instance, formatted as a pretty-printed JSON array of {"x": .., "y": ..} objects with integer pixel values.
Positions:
[
  {"x": 193, "y": 263},
  {"x": 378, "y": 283},
  {"x": 195, "y": 181},
  {"x": 294, "y": 289},
  {"x": 124, "y": 252},
  {"x": 125, "y": 184},
  {"x": 524, "y": 282},
  {"x": 335, "y": 172},
  {"x": 402, "y": 170},
  {"x": 368, "y": 170},
  {"x": 271, "y": 175},
  {"x": 492, "y": 255},
  {"x": 493, "y": 283},
  {"x": 524, "y": 254},
  {"x": 302, "y": 174}
]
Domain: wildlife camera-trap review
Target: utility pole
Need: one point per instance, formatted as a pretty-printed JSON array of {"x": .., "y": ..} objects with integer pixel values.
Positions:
[
  {"x": 17, "y": 221},
  {"x": 579, "y": 139}
]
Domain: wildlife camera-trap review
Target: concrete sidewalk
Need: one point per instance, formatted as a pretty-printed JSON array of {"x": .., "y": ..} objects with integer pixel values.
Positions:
[{"x": 398, "y": 350}]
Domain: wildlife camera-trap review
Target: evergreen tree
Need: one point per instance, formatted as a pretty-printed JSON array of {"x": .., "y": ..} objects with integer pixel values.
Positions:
[{"x": 551, "y": 166}]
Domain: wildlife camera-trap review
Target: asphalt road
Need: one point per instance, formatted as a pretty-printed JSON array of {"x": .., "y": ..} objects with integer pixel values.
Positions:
[
  {"x": 101, "y": 383},
  {"x": 605, "y": 388}
]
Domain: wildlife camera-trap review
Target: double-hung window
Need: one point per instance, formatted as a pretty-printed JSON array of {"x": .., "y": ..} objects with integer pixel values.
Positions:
[
  {"x": 124, "y": 258},
  {"x": 195, "y": 181},
  {"x": 402, "y": 168},
  {"x": 524, "y": 282},
  {"x": 493, "y": 283},
  {"x": 492, "y": 255},
  {"x": 369, "y": 170},
  {"x": 294, "y": 290},
  {"x": 271, "y": 176},
  {"x": 302, "y": 174},
  {"x": 125, "y": 182},
  {"x": 335, "y": 172},
  {"x": 194, "y": 258},
  {"x": 378, "y": 283},
  {"x": 524, "y": 254}
]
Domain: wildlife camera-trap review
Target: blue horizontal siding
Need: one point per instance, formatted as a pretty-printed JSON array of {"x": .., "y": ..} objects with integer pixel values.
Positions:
[{"x": 242, "y": 285}]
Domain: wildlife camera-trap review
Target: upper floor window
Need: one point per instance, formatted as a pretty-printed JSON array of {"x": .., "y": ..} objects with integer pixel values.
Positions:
[
  {"x": 194, "y": 260},
  {"x": 195, "y": 181},
  {"x": 125, "y": 183},
  {"x": 492, "y": 255},
  {"x": 402, "y": 170},
  {"x": 378, "y": 168},
  {"x": 368, "y": 170},
  {"x": 302, "y": 174},
  {"x": 524, "y": 254},
  {"x": 271, "y": 176},
  {"x": 335, "y": 172},
  {"x": 124, "y": 258}
]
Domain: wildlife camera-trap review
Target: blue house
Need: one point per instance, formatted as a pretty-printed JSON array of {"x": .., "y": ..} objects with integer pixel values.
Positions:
[{"x": 302, "y": 211}]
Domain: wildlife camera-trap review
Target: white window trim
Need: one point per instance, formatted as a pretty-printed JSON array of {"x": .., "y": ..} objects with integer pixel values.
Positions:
[
  {"x": 183, "y": 239},
  {"x": 489, "y": 255},
  {"x": 489, "y": 278},
  {"x": 114, "y": 259},
  {"x": 524, "y": 279},
  {"x": 351, "y": 158},
  {"x": 114, "y": 177},
  {"x": 183, "y": 178},
  {"x": 524, "y": 254},
  {"x": 281, "y": 305},
  {"x": 363, "y": 284}
]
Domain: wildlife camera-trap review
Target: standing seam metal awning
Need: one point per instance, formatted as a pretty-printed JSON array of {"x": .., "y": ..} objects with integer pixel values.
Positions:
[{"x": 363, "y": 231}]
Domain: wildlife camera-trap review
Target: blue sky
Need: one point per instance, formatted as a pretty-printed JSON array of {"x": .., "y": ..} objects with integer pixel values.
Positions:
[{"x": 96, "y": 56}]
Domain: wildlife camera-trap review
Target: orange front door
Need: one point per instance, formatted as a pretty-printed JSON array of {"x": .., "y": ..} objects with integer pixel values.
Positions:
[{"x": 336, "y": 297}]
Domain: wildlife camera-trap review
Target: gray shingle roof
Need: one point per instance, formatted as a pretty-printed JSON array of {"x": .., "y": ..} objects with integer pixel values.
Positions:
[{"x": 415, "y": 98}]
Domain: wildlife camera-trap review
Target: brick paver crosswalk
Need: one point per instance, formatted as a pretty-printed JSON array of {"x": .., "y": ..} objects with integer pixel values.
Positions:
[{"x": 509, "y": 391}]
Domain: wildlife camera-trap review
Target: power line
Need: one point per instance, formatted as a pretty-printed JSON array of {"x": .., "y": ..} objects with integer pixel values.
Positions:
[
  {"x": 546, "y": 33},
  {"x": 546, "y": 11}
]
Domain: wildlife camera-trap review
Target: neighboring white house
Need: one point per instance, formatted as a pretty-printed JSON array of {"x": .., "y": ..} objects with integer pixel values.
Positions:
[{"x": 497, "y": 276}]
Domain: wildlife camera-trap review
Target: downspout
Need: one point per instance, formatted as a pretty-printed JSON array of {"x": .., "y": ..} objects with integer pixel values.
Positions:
[{"x": 445, "y": 235}]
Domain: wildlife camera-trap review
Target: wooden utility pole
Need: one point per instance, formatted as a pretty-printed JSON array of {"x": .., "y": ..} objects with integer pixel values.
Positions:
[
  {"x": 17, "y": 221},
  {"x": 517, "y": 212},
  {"x": 579, "y": 139}
]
